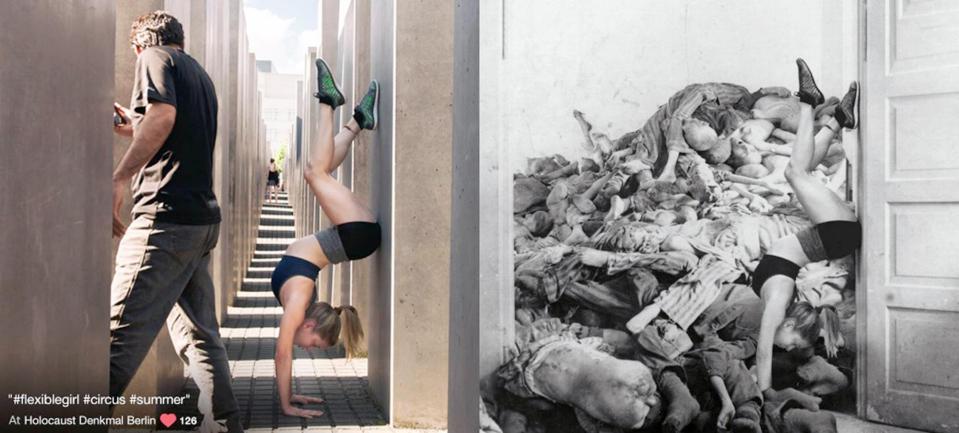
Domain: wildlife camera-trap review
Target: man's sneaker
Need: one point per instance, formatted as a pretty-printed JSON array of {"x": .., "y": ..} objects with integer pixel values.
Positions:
[
  {"x": 808, "y": 90},
  {"x": 326, "y": 89},
  {"x": 846, "y": 110},
  {"x": 365, "y": 111}
]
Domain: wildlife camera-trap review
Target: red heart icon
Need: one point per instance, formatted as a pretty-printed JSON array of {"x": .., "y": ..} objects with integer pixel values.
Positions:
[{"x": 167, "y": 419}]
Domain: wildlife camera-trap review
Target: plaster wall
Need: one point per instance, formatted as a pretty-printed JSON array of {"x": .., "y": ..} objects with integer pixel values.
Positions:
[{"x": 617, "y": 61}]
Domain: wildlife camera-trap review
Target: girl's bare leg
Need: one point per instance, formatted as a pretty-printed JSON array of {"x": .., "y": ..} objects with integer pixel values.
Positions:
[
  {"x": 818, "y": 201},
  {"x": 343, "y": 141},
  {"x": 336, "y": 200},
  {"x": 820, "y": 141},
  {"x": 804, "y": 147},
  {"x": 823, "y": 139},
  {"x": 323, "y": 150}
]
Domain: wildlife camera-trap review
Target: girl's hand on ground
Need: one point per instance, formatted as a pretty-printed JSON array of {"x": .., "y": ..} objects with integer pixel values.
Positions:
[
  {"x": 303, "y": 399},
  {"x": 302, "y": 413},
  {"x": 725, "y": 415}
]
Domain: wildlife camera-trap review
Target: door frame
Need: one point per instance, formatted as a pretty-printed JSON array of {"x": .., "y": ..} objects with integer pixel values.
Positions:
[{"x": 861, "y": 272}]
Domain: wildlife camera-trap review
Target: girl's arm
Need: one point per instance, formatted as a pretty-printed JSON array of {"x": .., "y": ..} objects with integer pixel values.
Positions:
[
  {"x": 293, "y": 316},
  {"x": 776, "y": 298},
  {"x": 775, "y": 302},
  {"x": 283, "y": 360}
]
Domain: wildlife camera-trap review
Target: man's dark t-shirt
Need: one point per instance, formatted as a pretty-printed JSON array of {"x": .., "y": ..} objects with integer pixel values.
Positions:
[{"x": 177, "y": 184}]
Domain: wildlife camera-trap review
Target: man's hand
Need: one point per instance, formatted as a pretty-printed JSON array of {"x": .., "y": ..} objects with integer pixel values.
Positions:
[
  {"x": 124, "y": 129},
  {"x": 303, "y": 399},
  {"x": 303, "y": 413},
  {"x": 210, "y": 425},
  {"x": 119, "y": 190},
  {"x": 152, "y": 131}
]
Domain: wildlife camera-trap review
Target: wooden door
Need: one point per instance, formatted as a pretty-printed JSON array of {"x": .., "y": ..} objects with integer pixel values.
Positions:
[{"x": 910, "y": 213}]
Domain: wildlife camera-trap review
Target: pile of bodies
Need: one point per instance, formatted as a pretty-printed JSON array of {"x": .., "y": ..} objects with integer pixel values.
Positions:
[{"x": 599, "y": 239}]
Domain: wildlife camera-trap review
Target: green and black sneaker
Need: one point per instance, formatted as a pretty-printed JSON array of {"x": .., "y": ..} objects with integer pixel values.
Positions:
[
  {"x": 365, "y": 111},
  {"x": 326, "y": 89}
]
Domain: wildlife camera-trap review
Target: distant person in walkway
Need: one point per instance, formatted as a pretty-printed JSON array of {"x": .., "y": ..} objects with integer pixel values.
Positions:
[
  {"x": 162, "y": 264},
  {"x": 272, "y": 182},
  {"x": 355, "y": 235}
]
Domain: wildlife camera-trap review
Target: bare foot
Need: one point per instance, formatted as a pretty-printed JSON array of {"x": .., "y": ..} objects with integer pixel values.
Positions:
[
  {"x": 635, "y": 166},
  {"x": 577, "y": 237},
  {"x": 667, "y": 176},
  {"x": 584, "y": 204},
  {"x": 773, "y": 179},
  {"x": 778, "y": 189},
  {"x": 593, "y": 257},
  {"x": 643, "y": 318},
  {"x": 616, "y": 208}
]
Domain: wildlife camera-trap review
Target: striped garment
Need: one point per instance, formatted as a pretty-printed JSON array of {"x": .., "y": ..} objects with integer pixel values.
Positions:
[
  {"x": 684, "y": 103},
  {"x": 663, "y": 131},
  {"x": 688, "y": 297}
]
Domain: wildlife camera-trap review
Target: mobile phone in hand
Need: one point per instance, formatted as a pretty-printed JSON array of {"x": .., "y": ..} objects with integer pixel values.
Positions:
[{"x": 118, "y": 117}]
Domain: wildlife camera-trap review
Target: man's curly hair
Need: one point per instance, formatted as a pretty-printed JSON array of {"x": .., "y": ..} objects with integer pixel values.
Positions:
[{"x": 156, "y": 28}]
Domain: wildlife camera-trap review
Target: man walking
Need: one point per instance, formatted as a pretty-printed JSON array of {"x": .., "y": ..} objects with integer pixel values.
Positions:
[{"x": 163, "y": 258}]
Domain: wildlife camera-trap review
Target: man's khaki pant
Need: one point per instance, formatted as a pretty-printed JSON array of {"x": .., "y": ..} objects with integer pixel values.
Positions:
[{"x": 162, "y": 274}]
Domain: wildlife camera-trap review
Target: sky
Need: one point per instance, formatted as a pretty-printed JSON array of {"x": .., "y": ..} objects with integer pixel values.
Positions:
[{"x": 281, "y": 31}]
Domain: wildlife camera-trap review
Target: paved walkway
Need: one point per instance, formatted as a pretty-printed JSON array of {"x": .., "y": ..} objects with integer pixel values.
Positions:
[{"x": 249, "y": 333}]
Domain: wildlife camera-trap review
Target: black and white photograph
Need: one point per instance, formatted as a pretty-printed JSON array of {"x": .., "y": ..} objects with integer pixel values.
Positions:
[{"x": 726, "y": 216}]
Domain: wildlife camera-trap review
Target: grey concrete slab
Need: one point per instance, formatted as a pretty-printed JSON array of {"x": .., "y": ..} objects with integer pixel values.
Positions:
[
  {"x": 380, "y": 159},
  {"x": 423, "y": 93},
  {"x": 340, "y": 286},
  {"x": 466, "y": 238},
  {"x": 361, "y": 289},
  {"x": 55, "y": 199}
]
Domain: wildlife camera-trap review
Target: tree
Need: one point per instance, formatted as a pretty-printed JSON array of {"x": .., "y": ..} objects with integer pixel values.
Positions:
[{"x": 280, "y": 158}]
